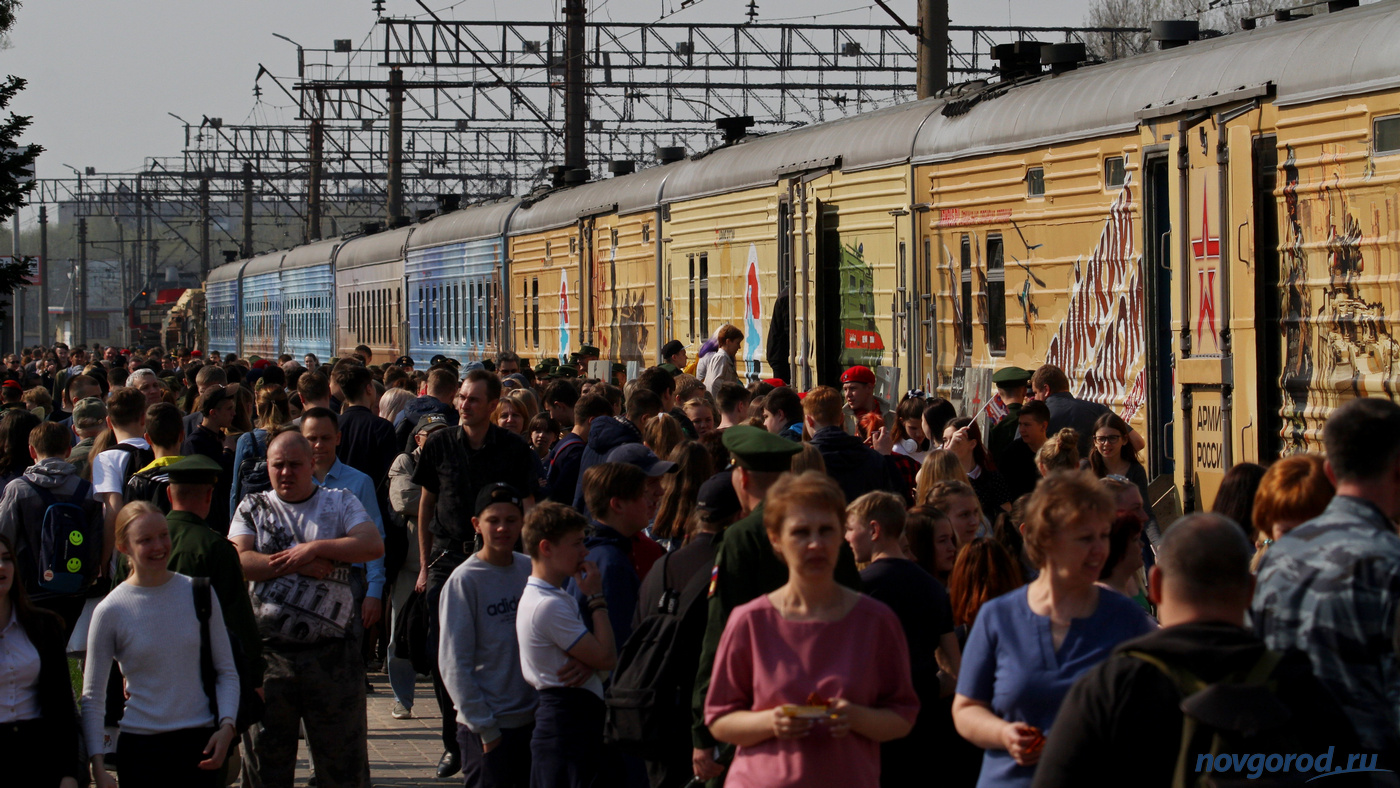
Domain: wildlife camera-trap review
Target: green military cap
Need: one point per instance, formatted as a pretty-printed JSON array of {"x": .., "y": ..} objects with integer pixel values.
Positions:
[
  {"x": 588, "y": 350},
  {"x": 760, "y": 450},
  {"x": 194, "y": 469},
  {"x": 543, "y": 368},
  {"x": 1011, "y": 376},
  {"x": 616, "y": 368},
  {"x": 574, "y": 359},
  {"x": 567, "y": 371},
  {"x": 550, "y": 361},
  {"x": 671, "y": 369}
]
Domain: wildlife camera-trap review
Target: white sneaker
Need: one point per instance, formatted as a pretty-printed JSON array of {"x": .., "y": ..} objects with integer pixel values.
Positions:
[{"x": 401, "y": 712}]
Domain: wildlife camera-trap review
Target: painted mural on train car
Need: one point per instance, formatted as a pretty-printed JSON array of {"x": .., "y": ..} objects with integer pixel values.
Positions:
[{"x": 1337, "y": 340}]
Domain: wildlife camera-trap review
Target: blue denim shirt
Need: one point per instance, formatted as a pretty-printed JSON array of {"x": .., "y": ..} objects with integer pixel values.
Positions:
[
  {"x": 343, "y": 477},
  {"x": 1329, "y": 588}
]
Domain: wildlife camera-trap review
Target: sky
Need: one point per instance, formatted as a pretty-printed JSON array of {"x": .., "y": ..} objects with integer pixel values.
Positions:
[{"x": 103, "y": 75}]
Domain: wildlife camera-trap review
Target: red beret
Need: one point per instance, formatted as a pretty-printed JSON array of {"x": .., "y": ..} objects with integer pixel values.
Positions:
[
  {"x": 858, "y": 374},
  {"x": 12, "y": 384},
  {"x": 196, "y": 353},
  {"x": 775, "y": 382}
]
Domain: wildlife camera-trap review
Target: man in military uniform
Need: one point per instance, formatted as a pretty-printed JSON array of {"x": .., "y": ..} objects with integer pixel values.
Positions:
[
  {"x": 586, "y": 354},
  {"x": 745, "y": 565},
  {"x": 1012, "y": 384},
  {"x": 1330, "y": 588}
]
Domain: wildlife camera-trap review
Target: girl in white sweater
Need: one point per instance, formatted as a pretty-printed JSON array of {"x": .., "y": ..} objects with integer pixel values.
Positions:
[{"x": 170, "y": 735}]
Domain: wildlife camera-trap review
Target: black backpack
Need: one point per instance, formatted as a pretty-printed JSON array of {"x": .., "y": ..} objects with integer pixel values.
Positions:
[
  {"x": 250, "y": 705},
  {"x": 649, "y": 698},
  {"x": 149, "y": 485},
  {"x": 252, "y": 472},
  {"x": 137, "y": 458},
  {"x": 70, "y": 540}
]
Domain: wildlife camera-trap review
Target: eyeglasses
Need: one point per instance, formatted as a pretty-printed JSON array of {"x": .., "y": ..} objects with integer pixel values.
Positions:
[
  {"x": 1113, "y": 477},
  {"x": 1107, "y": 439}
]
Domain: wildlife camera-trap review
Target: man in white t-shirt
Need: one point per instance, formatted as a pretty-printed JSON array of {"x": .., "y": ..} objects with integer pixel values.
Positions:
[
  {"x": 296, "y": 543},
  {"x": 126, "y": 416},
  {"x": 566, "y": 748}
]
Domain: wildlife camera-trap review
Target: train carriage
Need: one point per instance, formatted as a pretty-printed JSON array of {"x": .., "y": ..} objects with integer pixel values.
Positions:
[
  {"x": 455, "y": 269},
  {"x": 370, "y": 308},
  {"x": 223, "y": 304},
  {"x": 308, "y": 291},
  {"x": 262, "y": 306},
  {"x": 820, "y": 212},
  {"x": 1203, "y": 237}
]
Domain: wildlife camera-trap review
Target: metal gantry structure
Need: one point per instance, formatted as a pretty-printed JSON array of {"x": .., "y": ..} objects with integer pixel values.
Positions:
[{"x": 479, "y": 109}]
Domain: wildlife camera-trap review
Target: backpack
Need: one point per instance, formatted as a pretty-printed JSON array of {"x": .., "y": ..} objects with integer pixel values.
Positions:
[
  {"x": 149, "y": 485},
  {"x": 252, "y": 471},
  {"x": 1236, "y": 708},
  {"x": 137, "y": 458},
  {"x": 70, "y": 540},
  {"x": 649, "y": 698},
  {"x": 250, "y": 705}
]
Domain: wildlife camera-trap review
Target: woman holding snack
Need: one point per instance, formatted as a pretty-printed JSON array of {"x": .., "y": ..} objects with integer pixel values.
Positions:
[
  {"x": 808, "y": 680},
  {"x": 1029, "y": 646}
]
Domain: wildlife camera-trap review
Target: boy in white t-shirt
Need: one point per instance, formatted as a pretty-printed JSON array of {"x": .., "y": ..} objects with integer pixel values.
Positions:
[
  {"x": 567, "y": 743},
  {"x": 126, "y": 416}
]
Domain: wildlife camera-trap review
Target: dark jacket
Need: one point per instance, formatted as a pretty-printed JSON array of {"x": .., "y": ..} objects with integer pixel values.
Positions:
[
  {"x": 606, "y": 434},
  {"x": 367, "y": 444},
  {"x": 612, "y": 552},
  {"x": 57, "y": 709},
  {"x": 1124, "y": 718},
  {"x": 561, "y": 473},
  {"x": 416, "y": 410},
  {"x": 858, "y": 468}
]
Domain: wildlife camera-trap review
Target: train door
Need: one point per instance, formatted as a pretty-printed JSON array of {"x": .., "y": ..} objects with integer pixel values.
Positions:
[
  {"x": 1157, "y": 233},
  {"x": 591, "y": 287},
  {"x": 828, "y": 296},
  {"x": 1268, "y": 301},
  {"x": 847, "y": 332}
]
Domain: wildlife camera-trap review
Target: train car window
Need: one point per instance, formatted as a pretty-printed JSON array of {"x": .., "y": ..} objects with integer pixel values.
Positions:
[
  {"x": 966, "y": 300},
  {"x": 996, "y": 296},
  {"x": 1114, "y": 174},
  {"x": 704, "y": 294},
  {"x": 646, "y": 233},
  {"x": 1035, "y": 182},
  {"x": 1387, "y": 135},
  {"x": 573, "y": 245},
  {"x": 483, "y": 330},
  {"x": 614, "y": 238},
  {"x": 420, "y": 313},
  {"x": 490, "y": 313},
  {"x": 692, "y": 295},
  {"x": 548, "y": 250},
  {"x": 535, "y": 310}
]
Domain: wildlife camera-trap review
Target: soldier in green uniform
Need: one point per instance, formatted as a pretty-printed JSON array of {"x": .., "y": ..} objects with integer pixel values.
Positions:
[
  {"x": 745, "y": 565},
  {"x": 1012, "y": 384},
  {"x": 196, "y": 550}
]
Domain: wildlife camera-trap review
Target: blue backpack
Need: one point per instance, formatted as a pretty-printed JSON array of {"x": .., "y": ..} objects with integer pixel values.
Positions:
[{"x": 70, "y": 540}]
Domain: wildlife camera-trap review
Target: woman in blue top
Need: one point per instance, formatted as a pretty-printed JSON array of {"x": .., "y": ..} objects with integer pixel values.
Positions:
[
  {"x": 1029, "y": 646},
  {"x": 273, "y": 413}
]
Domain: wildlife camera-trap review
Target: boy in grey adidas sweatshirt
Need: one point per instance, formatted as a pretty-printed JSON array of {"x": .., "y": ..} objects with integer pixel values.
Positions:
[{"x": 478, "y": 653}]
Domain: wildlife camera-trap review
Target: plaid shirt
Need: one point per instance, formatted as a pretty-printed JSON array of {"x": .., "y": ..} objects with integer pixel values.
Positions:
[{"x": 1330, "y": 588}]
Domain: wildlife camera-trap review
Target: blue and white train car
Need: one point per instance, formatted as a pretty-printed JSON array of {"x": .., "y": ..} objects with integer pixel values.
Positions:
[
  {"x": 223, "y": 303},
  {"x": 369, "y": 294},
  {"x": 455, "y": 271},
  {"x": 262, "y": 306},
  {"x": 308, "y": 298}
]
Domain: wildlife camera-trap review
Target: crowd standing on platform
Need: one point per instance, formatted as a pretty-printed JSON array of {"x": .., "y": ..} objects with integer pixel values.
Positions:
[{"x": 679, "y": 579}]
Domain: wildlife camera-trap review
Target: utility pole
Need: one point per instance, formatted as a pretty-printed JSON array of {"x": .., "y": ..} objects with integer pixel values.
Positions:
[
  {"x": 395, "y": 186},
  {"x": 45, "y": 338},
  {"x": 16, "y": 316},
  {"x": 933, "y": 47},
  {"x": 313, "y": 183},
  {"x": 150, "y": 243},
  {"x": 247, "y": 209},
  {"x": 139, "y": 245},
  {"x": 204, "y": 224},
  {"x": 575, "y": 77},
  {"x": 80, "y": 285}
]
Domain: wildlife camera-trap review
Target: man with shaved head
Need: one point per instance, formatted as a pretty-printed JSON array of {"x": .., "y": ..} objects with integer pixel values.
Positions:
[
  {"x": 1125, "y": 715},
  {"x": 298, "y": 544}
]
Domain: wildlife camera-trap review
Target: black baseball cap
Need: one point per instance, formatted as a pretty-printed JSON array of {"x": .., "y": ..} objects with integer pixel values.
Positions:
[
  {"x": 671, "y": 348},
  {"x": 717, "y": 497},
  {"x": 499, "y": 492}
]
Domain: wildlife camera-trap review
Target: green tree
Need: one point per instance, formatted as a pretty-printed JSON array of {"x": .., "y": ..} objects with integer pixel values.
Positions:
[{"x": 16, "y": 162}]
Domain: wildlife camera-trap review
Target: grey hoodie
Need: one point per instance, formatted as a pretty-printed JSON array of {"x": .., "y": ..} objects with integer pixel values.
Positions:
[{"x": 22, "y": 513}]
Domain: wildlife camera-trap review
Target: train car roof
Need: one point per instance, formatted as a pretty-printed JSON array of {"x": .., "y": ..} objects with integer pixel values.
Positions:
[
  {"x": 381, "y": 247},
  {"x": 264, "y": 263},
  {"x": 312, "y": 254},
  {"x": 870, "y": 140},
  {"x": 625, "y": 194},
  {"x": 469, "y": 224},
  {"x": 225, "y": 272},
  {"x": 1336, "y": 54}
]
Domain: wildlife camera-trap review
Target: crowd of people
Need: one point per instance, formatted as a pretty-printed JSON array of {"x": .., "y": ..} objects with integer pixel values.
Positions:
[{"x": 669, "y": 580}]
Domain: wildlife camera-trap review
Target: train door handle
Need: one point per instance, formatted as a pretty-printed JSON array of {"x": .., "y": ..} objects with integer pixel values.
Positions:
[
  {"x": 1163, "y": 244},
  {"x": 1168, "y": 450}
]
